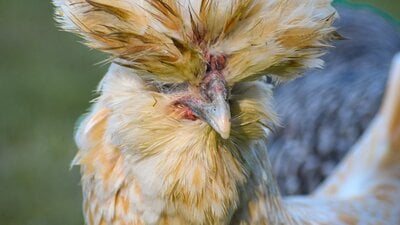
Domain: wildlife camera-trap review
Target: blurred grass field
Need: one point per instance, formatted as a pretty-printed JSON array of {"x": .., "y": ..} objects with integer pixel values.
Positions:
[{"x": 46, "y": 83}]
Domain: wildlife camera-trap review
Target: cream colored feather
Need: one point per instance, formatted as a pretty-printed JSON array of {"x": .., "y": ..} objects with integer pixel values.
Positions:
[{"x": 169, "y": 40}]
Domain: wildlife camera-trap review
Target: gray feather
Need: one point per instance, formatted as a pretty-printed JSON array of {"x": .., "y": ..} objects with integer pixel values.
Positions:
[{"x": 325, "y": 112}]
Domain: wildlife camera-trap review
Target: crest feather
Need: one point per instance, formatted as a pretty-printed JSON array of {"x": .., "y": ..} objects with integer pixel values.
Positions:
[{"x": 168, "y": 40}]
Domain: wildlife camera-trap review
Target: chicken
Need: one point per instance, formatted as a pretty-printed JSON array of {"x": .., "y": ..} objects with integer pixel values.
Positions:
[
  {"x": 365, "y": 187},
  {"x": 178, "y": 133}
]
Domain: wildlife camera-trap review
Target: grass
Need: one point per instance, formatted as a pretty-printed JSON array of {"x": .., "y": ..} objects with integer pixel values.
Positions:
[{"x": 46, "y": 80}]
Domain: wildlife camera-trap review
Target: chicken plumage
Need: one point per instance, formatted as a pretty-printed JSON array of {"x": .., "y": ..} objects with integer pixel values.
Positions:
[
  {"x": 177, "y": 135},
  {"x": 324, "y": 112}
]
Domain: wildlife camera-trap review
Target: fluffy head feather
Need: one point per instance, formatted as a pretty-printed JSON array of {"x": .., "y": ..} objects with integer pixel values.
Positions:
[{"x": 169, "y": 40}]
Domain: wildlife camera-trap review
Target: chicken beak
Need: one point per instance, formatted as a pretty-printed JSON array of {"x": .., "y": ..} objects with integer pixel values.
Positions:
[{"x": 218, "y": 116}]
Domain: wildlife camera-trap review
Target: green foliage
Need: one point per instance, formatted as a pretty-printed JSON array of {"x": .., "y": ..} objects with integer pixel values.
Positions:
[{"x": 46, "y": 83}]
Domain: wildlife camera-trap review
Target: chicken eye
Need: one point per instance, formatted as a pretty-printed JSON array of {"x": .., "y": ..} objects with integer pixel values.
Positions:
[
  {"x": 186, "y": 112},
  {"x": 170, "y": 88}
]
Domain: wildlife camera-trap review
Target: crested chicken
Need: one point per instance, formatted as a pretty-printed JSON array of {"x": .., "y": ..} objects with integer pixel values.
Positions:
[{"x": 178, "y": 133}]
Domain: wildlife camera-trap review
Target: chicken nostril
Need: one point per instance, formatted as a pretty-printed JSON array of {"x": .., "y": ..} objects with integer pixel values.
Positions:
[
  {"x": 208, "y": 67},
  {"x": 220, "y": 62}
]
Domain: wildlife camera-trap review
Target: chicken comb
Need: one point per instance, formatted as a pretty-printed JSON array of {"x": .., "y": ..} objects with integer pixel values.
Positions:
[{"x": 168, "y": 40}]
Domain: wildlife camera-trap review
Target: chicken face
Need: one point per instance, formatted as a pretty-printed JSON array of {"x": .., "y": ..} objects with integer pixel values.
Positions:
[{"x": 208, "y": 101}]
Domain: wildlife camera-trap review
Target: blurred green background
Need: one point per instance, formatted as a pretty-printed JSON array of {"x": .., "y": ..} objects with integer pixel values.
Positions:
[{"x": 46, "y": 83}]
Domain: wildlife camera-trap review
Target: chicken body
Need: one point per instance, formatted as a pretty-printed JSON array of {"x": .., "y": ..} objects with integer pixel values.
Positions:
[
  {"x": 366, "y": 186},
  {"x": 178, "y": 133}
]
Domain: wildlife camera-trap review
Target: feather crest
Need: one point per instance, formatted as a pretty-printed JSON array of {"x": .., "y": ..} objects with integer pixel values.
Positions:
[{"x": 168, "y": 40}]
